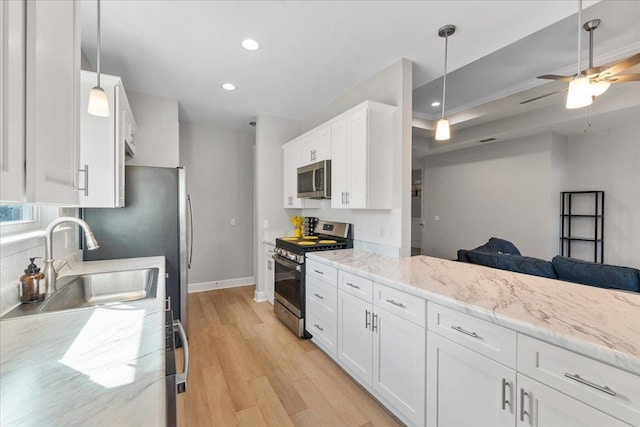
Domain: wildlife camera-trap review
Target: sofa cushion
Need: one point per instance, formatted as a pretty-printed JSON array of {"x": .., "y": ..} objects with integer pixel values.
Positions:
[
  {"x": 600, "y": 275},
  {"x": 493, "y": 245},
  {"x": 510, "y": 262}
]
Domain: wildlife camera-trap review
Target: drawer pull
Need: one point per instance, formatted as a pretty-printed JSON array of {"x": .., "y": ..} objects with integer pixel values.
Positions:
[
  {"x": 523, "y": 394},
  {"x": 397, "y": 304},
  {"x": 352, "y": 285},
  {"x": 581, "y": 380},
  {"x": 464, "y": 331},
  {"x": 318, "y": 296},
  {"x": 505, "y": 401},
  {"x": 319, "y": 272},
  {"x": 319, "y": 327}
]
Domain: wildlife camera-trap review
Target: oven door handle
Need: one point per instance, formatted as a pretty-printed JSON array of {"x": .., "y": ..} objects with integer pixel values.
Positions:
[
  {"x": 181, "y": 379},
  {"x": 287, "y": 263}
]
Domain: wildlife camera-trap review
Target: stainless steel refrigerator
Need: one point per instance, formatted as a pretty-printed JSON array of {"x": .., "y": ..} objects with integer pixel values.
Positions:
[{"x": 153, "y": 222}]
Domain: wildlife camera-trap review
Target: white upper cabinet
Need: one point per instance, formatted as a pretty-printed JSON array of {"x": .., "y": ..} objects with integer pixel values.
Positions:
[
  {"x": 316, "y": 145},
  {"x": 52, "y": 95},
  {"x": 103, "y": 143},
  {"x": 291, "y": 155},
  {"x": 362, "y": 157},
  {"x": 12, "y": 104}
]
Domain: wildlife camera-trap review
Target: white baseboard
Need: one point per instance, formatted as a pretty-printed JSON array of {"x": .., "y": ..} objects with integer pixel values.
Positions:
[
  {"x": 260, "y": 296},
  {"x": 221, "y": 284}
]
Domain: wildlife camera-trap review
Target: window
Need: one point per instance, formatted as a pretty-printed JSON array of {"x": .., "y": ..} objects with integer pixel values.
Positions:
[{"x": 12, "y": 214}]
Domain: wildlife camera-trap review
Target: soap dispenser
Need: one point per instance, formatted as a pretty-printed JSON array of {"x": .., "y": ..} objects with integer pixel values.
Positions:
[{"x": 30, "y": 283}]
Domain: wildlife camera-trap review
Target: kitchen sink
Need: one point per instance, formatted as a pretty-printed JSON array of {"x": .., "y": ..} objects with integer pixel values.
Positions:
[{"x": 88, "y": 290}]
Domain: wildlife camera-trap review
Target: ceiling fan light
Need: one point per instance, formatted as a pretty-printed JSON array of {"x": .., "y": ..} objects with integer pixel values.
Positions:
[
  {"x": 598, "y": 88},
  {"x": 579, "y": 94},
  {"x": 98, "y": 102},
  {"x": 442, "y": 130}
]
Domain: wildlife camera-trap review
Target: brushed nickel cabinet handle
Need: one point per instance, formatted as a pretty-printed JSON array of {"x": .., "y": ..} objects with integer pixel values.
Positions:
[
  {"x": 374, "y": 323},
  {"x": 352, "y": 285},
  {"x": 367, "y": 321},
  {"x": 505, "y": 400},
  {"x": 464, "y": 331},
  {"x": 86, "y": 180},
  {"x": 319, "y": 272},
  {"x": 397, "y": 304},
  {"x": 319, "y": 327},
  {"x": 318, "y": 296},
  {"x": 581, "y": 380},
  {"x": 522, "y": 411}
]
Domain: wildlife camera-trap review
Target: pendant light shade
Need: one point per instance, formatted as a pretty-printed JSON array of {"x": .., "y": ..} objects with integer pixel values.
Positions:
[
  {"x": 98, "y": 99},
  {"x": 598, "y": 88},
  {"x": 580, "y": 93},
  {"x": 98, "y": 102},
  {"x": 443, "y": 132}
]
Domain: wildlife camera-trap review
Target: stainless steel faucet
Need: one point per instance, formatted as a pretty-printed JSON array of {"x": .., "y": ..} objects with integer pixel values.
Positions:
[{"x": 50, "y": 273}]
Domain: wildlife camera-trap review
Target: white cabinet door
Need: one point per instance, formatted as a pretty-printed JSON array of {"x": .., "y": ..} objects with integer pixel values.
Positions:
[
  {"x": 339, "y": 163},
  {"x": 467, "y": 389},
  {"x": 399, "y": 363},
  {"x": 12, "y": 100},
  {"x": 291, "y": 155},
  {"x": 355, "y": 339},
  {"x": 316, "y": 146},
  {"x": 52, "y": 94},
  {"x": 542, "y": 406},
  {"x": 358, "y": 160}
]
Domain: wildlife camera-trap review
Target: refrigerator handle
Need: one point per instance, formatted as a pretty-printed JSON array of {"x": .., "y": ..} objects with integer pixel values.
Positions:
[{"x": 191, "y": 231}]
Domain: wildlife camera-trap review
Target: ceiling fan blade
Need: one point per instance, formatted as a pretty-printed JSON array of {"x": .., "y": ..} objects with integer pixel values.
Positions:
[
  {"x": 593, "y": 71},
  {"x": 624, "y": 78},
  {"x": 542, "y": 96},
  {"x": 556, "y": 77},
  {"x": 620, "y": 66}
]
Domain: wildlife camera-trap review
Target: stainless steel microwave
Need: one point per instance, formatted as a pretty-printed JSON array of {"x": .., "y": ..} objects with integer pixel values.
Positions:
[{"x": 314, "y": 181}]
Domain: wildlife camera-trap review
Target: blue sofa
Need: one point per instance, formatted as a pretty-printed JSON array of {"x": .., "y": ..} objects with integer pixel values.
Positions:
[{"x": 503, "y": 255}]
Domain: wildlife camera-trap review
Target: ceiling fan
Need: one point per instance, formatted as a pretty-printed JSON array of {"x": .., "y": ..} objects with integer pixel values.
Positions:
[{"x": 599, "y": 77}]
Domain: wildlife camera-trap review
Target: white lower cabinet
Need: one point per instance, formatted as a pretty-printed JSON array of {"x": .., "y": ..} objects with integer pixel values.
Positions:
[
  {"x": 542, "y": 406},
  {"x": 465, "y": 388},
  {"x": 385, "y": 352},
  {"x": 269, "y": 271}
]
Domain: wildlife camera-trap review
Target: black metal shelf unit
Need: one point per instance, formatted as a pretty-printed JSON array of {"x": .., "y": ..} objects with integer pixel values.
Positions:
[{"x": 583, "y": 202}]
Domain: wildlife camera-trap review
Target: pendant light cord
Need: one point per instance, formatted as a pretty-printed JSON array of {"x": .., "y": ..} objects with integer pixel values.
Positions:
[
  {"x": 579, "y": 35},
  {"x": 444, "y": 83},
  {"x": 98, "y": 60}
]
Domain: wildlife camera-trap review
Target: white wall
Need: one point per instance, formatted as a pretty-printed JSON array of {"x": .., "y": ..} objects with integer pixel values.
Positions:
[
  {"x": 387, "y": 231},
  {"x": 271, "y": 133},
  {"x": 508, "y": 189},
  {"x": 610, "y": 161},
  {"x": 157, "y": 137},
  {"x": 219, "y": 168}
]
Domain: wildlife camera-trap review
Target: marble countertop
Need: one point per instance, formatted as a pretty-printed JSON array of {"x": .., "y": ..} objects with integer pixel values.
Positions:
[
  {"x": 599, "y": 323},
  {"x": 93, "y": 366}
]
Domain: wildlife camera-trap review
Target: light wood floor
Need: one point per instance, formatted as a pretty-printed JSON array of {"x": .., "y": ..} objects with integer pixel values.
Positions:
[{"x": 247, "y": 369}]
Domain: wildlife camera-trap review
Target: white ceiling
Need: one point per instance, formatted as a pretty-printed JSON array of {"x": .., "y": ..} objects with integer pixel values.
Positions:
[{"x": 314, "y": 51}]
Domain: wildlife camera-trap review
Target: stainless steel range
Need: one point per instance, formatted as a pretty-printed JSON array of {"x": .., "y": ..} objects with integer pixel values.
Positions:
[{"x": 289, "y": 301}]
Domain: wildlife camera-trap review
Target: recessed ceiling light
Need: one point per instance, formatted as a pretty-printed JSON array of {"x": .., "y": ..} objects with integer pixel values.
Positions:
[
  {"x": 229, "y": 86},
  {"x": 250, "y": 44},
  {"x": 435, "y": 104}
]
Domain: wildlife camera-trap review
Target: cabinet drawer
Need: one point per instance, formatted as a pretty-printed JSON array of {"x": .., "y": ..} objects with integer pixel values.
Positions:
[
  {"x": 323, "y": 328},
  {"x": 604, "y": 387},
  {"x": 407, "y": 306},
  {"x": 486, "y": 338},
  {"x": 321, "y": 271},
  {"x": 322, "y": 293},
  {"x": 356, "y": 285}
]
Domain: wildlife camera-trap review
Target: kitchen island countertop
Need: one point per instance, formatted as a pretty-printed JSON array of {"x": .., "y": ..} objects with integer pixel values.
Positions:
[
  {"x": 599, "y": 323},
  {"x": 93, "y": 366}
]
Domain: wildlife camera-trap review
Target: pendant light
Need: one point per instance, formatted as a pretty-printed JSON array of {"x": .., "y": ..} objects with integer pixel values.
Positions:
[
  {"x": 98, "y": 100},
  {"x": 442, "y": 128},
  {"x": 580, "y": 91}
]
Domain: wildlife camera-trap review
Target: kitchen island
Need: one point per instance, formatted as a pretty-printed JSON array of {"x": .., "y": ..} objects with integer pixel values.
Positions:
[
  {"x": 424, "y": 334},
  {"x": 101, "y": 365}
]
